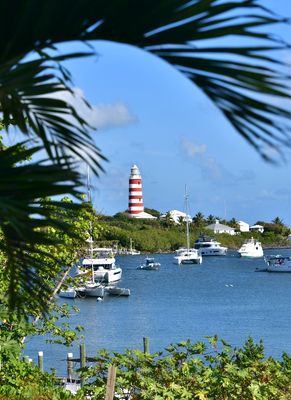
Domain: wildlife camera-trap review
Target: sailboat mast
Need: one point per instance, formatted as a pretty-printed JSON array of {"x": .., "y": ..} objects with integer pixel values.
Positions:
[
  {"x": 91, "y": 228},
  {"x": 88, "y": 185},
  {"x": 187, "y": 220}
]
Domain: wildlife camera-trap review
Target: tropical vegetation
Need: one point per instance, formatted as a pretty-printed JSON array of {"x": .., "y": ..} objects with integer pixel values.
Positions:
[
  {"x": 163, "y": 235},
  {"x": 186, "y": 370}
]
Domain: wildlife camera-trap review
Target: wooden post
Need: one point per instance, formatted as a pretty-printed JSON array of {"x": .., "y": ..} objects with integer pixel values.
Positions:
[
  {"x": 40, "y": 361},
  {"x": 146, "y": 345},
  {"x": 82, "y": 361},
  {"x": 110, "y": 387},
  {"x": 69, "y": 367}
]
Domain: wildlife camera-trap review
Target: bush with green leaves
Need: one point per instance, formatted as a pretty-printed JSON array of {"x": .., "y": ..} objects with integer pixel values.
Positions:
[
  {"x": 216, "y": 371},
  {"x": 20, "y": 380}
]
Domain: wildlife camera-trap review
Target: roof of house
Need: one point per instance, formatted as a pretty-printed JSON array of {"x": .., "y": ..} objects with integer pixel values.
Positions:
[{"x": 219, "y": 227}]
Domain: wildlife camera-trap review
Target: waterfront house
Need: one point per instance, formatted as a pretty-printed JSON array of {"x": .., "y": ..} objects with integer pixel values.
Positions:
[
  {"x": 257, "y": 228},
  {"x": 220, "y": 228},
  {"x": 243, "y": 226}
]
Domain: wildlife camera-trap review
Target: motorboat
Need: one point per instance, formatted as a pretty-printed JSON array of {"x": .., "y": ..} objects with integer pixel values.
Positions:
[
  {"x": 150, "y": 264},
  {"x": 278, "y": 263},
  {"x": 251, "y": 248},
  {"x": 209, "y": 246},
  {"x": 102, "y": 261},
  {"x": 187, "y": 255},
  {"x": 69, "y": 293}
]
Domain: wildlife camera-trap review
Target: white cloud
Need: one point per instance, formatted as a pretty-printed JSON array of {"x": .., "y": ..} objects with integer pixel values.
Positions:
[
  {"x": 100, "y": 116},
  {"x": 274, "y": 195},
  {"x": 191, "y": 149},
  {"x": 212, "y": 170},
  {"x": 105, "y": 116}
]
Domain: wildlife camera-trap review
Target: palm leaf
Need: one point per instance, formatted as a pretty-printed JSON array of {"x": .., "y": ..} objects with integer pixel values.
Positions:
[
  {"x": 24, "y": 220},
  {"x": 175, "y": 30}
]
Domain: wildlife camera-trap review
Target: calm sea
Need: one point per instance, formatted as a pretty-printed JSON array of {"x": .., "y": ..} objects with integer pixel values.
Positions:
[{"x": 223, "y": 296}]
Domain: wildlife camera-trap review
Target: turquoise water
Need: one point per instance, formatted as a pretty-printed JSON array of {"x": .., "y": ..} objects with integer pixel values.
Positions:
[{"x": 223, "y": 296}]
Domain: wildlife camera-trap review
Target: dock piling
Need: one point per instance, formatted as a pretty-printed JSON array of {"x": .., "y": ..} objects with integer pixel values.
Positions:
[
  {"x": 110, "y": 387},
  {"x": 146, "y": 345},
  {"x": 40, "y": 361},
  {"x": 69, "y": 367},
  {"x": 82, "y": 361}
]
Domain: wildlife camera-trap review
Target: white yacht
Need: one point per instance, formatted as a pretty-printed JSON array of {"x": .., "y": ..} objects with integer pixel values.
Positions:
[
  {"x": 102, "y": 261},
  {"x": 251, "y": 248},
  {"x": 278, "y": 263},
  {"x": 187, "y": 255},
  {"x": 208, "y": 246}
]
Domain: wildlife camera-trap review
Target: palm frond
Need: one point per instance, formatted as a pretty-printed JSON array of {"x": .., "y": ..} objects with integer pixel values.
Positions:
[
  {"x": 28, "y": 91},
  {"x": 175, "y": 30},
  {"x": 25, "y": 218}
]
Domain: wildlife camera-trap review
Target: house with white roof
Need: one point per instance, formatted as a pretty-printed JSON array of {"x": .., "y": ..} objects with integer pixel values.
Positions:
[
  {"x": 220, "y": 228},
  {"x": 257, "y": 228},
  {"x": 243, "y": 226},
  {"x": 176, "y": 216}
]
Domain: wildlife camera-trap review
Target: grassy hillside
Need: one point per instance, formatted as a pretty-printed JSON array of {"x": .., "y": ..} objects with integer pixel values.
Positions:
[{"x": 164, "y": 236}]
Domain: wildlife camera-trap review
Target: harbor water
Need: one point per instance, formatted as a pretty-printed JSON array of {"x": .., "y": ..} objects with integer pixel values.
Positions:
[{"x": 222, "y": 296}]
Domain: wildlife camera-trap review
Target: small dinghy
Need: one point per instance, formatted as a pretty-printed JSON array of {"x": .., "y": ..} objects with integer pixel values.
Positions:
[
  {"x": 69, "y": 293},
  {"x": 117, "y": 291},
  {"x": 150, "y": 264}
]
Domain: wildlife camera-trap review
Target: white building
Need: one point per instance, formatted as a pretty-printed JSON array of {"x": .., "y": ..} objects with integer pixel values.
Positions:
[
  {"x": 176, "y": 216},
  {"x": 257, "y": 228},
  {"x": 220, "y": 228},
  {"x": 243, "y": 226}
]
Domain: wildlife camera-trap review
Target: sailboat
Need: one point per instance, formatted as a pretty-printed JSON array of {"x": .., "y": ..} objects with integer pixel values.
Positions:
[
  {"x": 187, "y": 255},
  {"x": 132, "y": 251},
  {"x": 91, "y": 288},
  {"x": 100, "y": 260}
]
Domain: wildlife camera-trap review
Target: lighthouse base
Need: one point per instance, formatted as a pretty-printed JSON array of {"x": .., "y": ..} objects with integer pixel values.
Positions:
[{"x": 141, "y": 215}]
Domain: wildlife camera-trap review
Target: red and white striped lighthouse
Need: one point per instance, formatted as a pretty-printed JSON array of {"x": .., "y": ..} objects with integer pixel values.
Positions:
[{"x": 135, "y": 202}]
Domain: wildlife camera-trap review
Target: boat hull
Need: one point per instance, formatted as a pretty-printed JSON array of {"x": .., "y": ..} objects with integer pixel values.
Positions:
[
  {"x": 213, "y": 252},
  {"x": 188, "y": 260},
  {"x": 108, "y": 276},
  {"x": 68, "y": 294},
  {"x": 116, "y": 291},
  {"x": 91, "y": 291},
  {"x": 249, "y": 255},
  {"x": 278, "y": 264},
  {"x": 279, "y": 269}
]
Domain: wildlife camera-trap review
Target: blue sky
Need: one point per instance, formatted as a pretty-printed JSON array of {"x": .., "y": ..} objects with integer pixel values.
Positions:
[{"x": 151, "y": 115}]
